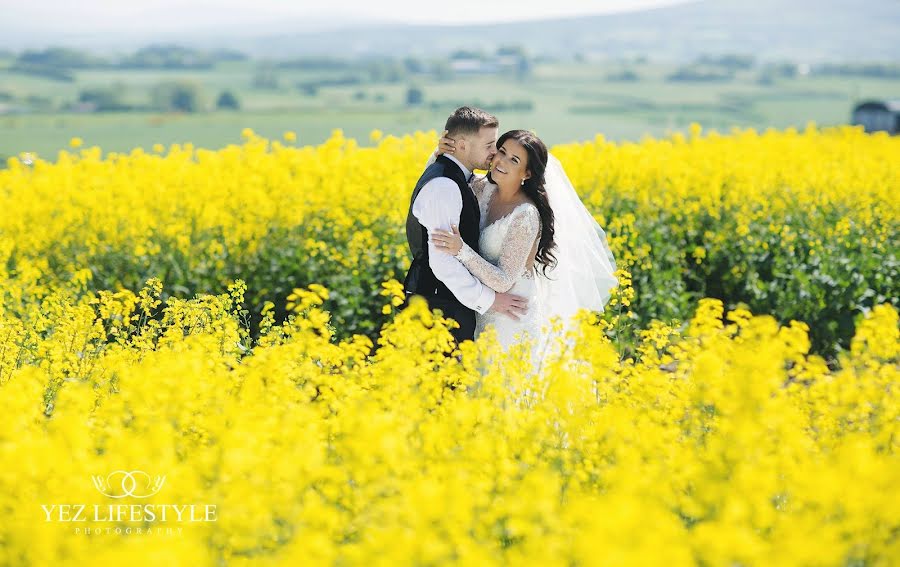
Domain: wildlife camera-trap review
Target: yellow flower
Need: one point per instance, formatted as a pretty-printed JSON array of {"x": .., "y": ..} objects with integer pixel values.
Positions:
[{"x": 317, "y": 436}]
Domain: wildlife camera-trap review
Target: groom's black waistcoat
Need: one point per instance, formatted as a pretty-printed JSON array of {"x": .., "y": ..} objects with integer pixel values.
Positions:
[{"x": 420, "y": 280}]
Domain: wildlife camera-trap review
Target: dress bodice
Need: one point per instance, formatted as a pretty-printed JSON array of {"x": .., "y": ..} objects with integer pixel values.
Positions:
[{"x": 493, "y": 242}]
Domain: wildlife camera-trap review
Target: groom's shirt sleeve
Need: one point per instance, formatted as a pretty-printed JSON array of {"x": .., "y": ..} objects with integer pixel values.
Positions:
[{"x": 437, "y": 206}]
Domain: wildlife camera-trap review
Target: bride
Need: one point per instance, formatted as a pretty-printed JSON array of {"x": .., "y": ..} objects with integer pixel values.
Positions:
[{"x": 537, "y": 241}]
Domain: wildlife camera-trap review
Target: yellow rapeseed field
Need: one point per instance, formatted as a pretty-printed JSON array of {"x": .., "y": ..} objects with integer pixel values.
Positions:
[{"x": 214, "y": 336}]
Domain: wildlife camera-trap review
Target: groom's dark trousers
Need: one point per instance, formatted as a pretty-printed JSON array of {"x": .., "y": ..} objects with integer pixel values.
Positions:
[{"x": 420, "y": 279}]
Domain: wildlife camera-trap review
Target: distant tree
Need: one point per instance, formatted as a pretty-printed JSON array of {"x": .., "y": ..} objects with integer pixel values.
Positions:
[
  {"x": 879, "y": 70},
  {"x": 734, "y": 62},
  {"x": 511, "y": 51},
  {"x": 413, "y": 65},
  {"x": 176, "y": 96},
  {"x": 184, "y": 100},
  {"x": 625, "y": 75},
  {"x": 316, "y": 63},
  {"x": 510, "y": 106},
  {"x": 386, "y": 71},
  {"x": 467, "y": 54},
  {"x": 765, "y": 78},
  {"x": 227, "y": 101},
  {"x": 266, "y": 78},
  {"x": 61, "y": 57},
  {"x": 524, "y": 106},
  {"x": 104, "y": 99},
  {"x": 308, "y": 89},
  {"x": 396, "y": 71},
  {"x": 414, "y": 96},
  {"x": 227, "y": 55},
  {"x": 344, "y": 81},
  {"x": 442, "y": 70},
  {"x": 523, "y": 69},
  {"x": 44, "y": 71},
  {"x": 168, "y": 57},
  {"x": 359, "y": 95},
  {"x": 694, "y": 73},
  {"x": 786, "y": 70},
  {"x": 39, "y": 102}
]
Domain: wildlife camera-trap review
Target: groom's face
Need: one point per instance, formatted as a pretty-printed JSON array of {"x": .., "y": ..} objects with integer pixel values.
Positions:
[{"x": 483, "y": 147}]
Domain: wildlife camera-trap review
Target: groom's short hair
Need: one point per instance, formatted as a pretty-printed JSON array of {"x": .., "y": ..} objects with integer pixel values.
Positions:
[{"x": 468, "y": 120}]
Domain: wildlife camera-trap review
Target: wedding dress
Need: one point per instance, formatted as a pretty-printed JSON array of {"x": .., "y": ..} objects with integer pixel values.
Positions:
[
  {"x": 582, "y": 277},
  {"x": 506, "y": 265}
]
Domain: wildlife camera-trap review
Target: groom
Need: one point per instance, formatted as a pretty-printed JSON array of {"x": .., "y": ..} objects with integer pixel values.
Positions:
[{"x": 442, "y": 197}]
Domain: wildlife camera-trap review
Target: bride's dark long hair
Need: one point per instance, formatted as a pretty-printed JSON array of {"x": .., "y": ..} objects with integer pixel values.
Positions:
[{"x": 534, "y": 189}]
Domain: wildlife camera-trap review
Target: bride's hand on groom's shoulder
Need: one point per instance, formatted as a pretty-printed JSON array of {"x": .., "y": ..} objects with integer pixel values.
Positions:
[{"x": 445, "y": 145}]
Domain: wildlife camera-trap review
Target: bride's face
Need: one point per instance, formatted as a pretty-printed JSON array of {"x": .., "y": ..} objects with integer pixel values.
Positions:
[{"x": 510, "y": 166}]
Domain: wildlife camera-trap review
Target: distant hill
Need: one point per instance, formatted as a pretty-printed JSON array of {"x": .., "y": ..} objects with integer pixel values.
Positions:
[
  {"x": 799, "y": 30},
  {"x": 808, "y": 30}
]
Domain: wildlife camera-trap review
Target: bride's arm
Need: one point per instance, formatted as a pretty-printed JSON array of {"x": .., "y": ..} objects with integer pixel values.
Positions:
[{"x": 517, "y": 245}]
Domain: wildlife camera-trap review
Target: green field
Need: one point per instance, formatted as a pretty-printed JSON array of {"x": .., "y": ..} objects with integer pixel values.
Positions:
[{"x": 569, "y": 102}]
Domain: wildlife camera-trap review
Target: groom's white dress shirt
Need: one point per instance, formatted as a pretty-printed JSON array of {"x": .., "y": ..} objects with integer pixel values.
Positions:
[{"x": 437, "y": 206}]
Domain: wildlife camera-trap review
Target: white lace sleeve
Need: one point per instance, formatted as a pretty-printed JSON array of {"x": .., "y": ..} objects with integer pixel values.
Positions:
[{"x": 524, "y": 228}]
